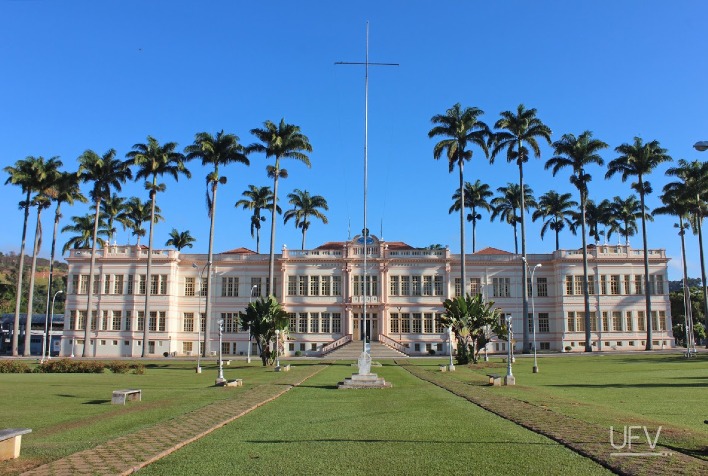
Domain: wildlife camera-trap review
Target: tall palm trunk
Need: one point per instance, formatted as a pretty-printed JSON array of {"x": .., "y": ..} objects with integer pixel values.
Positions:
[
  {"x": 586, "y": 291},
  {"x": 207, "y": 307},
  {"x": 524, "y": 269},
  {"x": 463, "y": 269},
  {"x": 271, "y": 258},
  {"x": 57, "y": 216},
  {"x": 30, "y": 298},
  {"x": 18, "y": 290},
  {"x": 688, "y": 321},
  {"x": 148, "y": 277},
  {"x": 516, "y": 236},
  {"x": 258, "y": 241},
  {"x": 474, "y": 230},
  {"x": 647, "y": 294},
  {"x": 557, "y": 238},
  {"x": 89, "y": 304},
  {"x": 699, "y": 219}
]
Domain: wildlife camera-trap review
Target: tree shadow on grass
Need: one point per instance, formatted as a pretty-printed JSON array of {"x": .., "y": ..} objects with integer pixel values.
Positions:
[
  {"x": 631, "y": 385},
  {"x": 96, "y": 402},
  {"x": 387, "y": 441}
]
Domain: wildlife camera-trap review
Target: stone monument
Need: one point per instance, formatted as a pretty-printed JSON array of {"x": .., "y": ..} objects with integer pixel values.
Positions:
[{"x": 364, "y": 379}]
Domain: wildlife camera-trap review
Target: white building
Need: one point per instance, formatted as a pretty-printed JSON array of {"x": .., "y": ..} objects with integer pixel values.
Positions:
[{"x": 322, "y": 289}]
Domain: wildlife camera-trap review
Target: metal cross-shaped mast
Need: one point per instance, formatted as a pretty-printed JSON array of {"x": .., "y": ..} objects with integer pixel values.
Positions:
[{"x": 365, "y": 231}]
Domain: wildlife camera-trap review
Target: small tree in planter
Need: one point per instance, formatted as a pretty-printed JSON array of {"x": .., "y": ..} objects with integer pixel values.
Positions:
[
  {"x": 471, "y": 320},
  {"x": 262, "y": 317}
]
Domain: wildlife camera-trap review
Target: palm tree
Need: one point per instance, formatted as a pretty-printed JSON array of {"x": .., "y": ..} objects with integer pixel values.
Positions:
[
  {"x": 257, "y": 199},
  {"x": 113, "y": 208},
  {"x": 694, "y": 176},
  {"x": 21, "y": 174},
  {"x": 46, "y": 174},
  {"x": 154, "y": 160},
  {"x": 180, "y": 239},
  {"x": 517, "y": 129},
  {"x": 106, "y": 173},
  {"x": 625, "y": 213},
  {"x": 507, "y": 205},
  {"x": 476, "y": 196},
  {"x": 460, "y": 127},
  {"x": 262, "y": 318},
  {"x": 556, "y": 210},
  {"x": 281, "y": 141},
  {"x": 304, "y": 207},
  {"x": 596, "y": 216},
  {"x": 83, "y": 228},
  {"x": 217, "y": 151},
  {"x": 640, "y": 159},
  {"x": 137, "y": 213},
  {"x": 577, "y": 153},
  {"x": 65, "y": 190}
]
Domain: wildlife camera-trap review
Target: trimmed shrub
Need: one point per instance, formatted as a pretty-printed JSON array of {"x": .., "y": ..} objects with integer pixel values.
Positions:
[
  {"x": 72, "y": 366},
  {"x": 118, "y": 367},
  {"x": 14, "y": 367}
]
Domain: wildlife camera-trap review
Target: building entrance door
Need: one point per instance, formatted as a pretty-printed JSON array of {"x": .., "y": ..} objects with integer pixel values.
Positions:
[{"x": 372, "y": 327}]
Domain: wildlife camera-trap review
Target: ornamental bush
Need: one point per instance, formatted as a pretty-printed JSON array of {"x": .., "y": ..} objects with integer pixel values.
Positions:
[{"x": 14, "y": 367}]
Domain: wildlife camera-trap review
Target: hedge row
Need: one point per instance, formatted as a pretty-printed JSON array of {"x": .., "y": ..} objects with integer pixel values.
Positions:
[{"x": 66, "y": 366}]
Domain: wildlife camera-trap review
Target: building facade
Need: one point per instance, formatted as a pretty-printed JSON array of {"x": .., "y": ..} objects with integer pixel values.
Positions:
[{"x": 323, "y": 290}]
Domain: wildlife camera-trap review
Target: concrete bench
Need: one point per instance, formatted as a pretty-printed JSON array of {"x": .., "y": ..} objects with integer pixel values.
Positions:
[
  {"x": 495, "y": 380},
  {"x": 121, "y": 396},
  {"x": 11, "y": 441},
  {"x": 443, "y": 368}
]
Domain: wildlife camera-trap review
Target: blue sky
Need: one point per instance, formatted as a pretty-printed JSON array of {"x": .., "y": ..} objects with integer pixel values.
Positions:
[{"x": 83, "y": 75}]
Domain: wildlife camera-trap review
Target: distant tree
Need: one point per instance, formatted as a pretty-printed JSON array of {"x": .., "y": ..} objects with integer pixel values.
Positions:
[
  {"x": 304, "y": 207},
  {"x": 180, "y": 239},
  {"x": 640, "y": 159},
  {"x": 472, "y": 321},
  {"x": 262, "y": 317},
  {"x": 137, "y": 213},
  {"x": 508, "y": 205},
  {"x": 257, "y": 199},
  {"x": 556, "y": 211},
  {"x": 625, "y": 213},
  {"x": 435, "y": 246},
  {"x": 113, "y": 208},
  {"x": 83, "y": 228},
  {"x": 476, "y": 196},
  {"x": 279, "y": 142},
  {"x": 459, "y": 128}
]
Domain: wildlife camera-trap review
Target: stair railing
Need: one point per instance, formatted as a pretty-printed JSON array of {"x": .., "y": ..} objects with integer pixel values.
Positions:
[
  {"x": 336, "y": 344},
  {"x": 386, "y": 340}
]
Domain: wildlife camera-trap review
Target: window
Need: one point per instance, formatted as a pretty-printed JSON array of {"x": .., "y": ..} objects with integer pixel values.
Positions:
[
  {"x": 118, "y": 284},
  {"x": 659, "y": 286},
  {"x": 579, "y": 282},
  {"x": 438, "y": 286},
  {"x": 189, "y": 286},
  {"x": 302, "y": 323},
  {"x": 628, "y": 320},
  {"x": 325, "y": 322},
  {"x": 545, "y": 345},
  {"x": 336, "y": 323},
  {"x": 593, "y": 323},
  {"x": 83, "y": 284},
  {"x": 605, "y": 322},
  {"x": 428, "y": 323},
  {"x": 405, "y": 323},
  {"x": 394, "y": 289},
  {"x": 458, "y": 287},
  {"x": 229, "y": 286},
  {"x": 202, "y": 321},
  {"x": 336, "y": 287},
  {"x": 529, "y": 322},
  {"x": 529, "y": 286},
  {"x": 543, "y": 322},
  {"x": 302, "y": 288},
  {"x": 405, "y": 285},
  {"x": 106, "y": 284},
  {"x": 314, "y": 285},
  {"x": 427, "y": 285},
  {"x": 416, "y": 286},
  {"x": 638, "y": 284},
  {"x": 603, "y": 284},
  {"x": 438, "y": 326},
  {"x": 314, "y": 322},
  {"x": 501, "y": 287},
  {"x": 230, "y": 322},
  {"x": 141, "y": 321},
  {"x": 141, "y": 284},
  {"x": 115, "y": 325},
  {"x": 152, "y": 323},
  {"x": 225, "y": 347},
  {"x": 293, "y": 320},
  {"x": 641, "y": 321},
  {"x": 129, "y": 289},
  {"x": 541, "y": 287},
  {"x": 325, "y": 285},
  {"x": 591, "y": 284},
  {"x": 475, "y": 286},
  {"x": 204, "y": 287},
  {"x": 395, "y": 324},
  {"x": 617, "y": 321},
  {"x": 188, "y": 322},
  {"x": 662, "y": 321},
  {"x": 128, "y": 319},
  {"x": 627, "y": 284},
  {"x": 74, "y": 280},
  {"x": 614, "y": 284},
  {"x": 580, "y": 321},
  {"x": 96, "y": 284},
  {"x": 154, "y": 284},
  {"x": 292, "y": 285},
  {"x": 81, "y": 323},
  {"x": 186, "y": 347},
  {"x": 104, "y": 321},
  {"x": 569, "y": 285},
  {"x": 417, "y": 323}
]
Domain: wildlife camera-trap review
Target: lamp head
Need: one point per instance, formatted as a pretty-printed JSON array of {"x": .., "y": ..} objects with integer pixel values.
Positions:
[{"x": 701, "y": 145}]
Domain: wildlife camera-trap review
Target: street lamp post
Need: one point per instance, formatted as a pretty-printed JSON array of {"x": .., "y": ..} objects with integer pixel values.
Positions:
[
  {"x": 533, "y": 314},
  {"x": 509, "y": 379},
  {"x": 250, "y": 331},
  {"x": 220, "y": 377},
  {"x": 451, "y": 367},
  {"x": 199, "y": 319},
  {"x": 277, "y": 354},
  {"x": 47, "y": 344},
  {"x": 400, "y": 322}
]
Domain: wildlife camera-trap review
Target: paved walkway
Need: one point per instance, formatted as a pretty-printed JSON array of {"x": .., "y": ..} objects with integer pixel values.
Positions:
[{"x": 129, "y": 453}]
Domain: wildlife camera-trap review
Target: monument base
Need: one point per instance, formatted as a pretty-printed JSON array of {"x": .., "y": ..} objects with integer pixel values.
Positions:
[{"x": 364, "y": 379}]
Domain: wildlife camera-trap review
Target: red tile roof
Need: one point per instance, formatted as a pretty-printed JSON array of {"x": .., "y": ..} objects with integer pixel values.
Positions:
[
  {"x": 492, "y": 251},
  {"x": 239, "y": 251}
]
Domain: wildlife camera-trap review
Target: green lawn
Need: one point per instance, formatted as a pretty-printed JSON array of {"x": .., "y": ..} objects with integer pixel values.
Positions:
[{"x": 412, "y": 428}]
